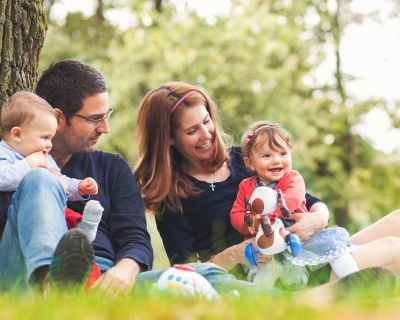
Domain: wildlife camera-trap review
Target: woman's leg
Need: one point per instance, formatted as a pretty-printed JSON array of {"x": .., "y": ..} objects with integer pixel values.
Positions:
[
  {"x": 387, "y": 226},
  {"x": 379, "y": 253},
  {"x": 383, "y": 282},
  {"x": 384, "y": 252}
]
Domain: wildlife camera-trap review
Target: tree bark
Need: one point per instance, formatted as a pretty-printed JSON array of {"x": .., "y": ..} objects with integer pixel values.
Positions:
[{"x": 22, "y": 29}]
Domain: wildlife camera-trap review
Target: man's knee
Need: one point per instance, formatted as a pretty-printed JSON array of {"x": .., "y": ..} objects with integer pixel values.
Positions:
[
  {"x": 39, "y": 177},
  {"x": 39, "y": 185},
  {"x": 37, "y": 174}
]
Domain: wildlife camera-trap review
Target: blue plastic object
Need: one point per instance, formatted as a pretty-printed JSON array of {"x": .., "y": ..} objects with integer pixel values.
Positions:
[
  {"x": 295, "y": 244},
  {"x": 250, "y": 253}
]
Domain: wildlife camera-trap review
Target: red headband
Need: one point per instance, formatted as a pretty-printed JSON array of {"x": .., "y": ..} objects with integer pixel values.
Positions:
[{"x": 181, "y": 100}]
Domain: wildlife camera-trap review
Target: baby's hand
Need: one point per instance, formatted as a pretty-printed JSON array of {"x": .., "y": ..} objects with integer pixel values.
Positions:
[
  {"x": 256, "y": 222},
  {"x": 251, "y": 230},
  {"x": 36, "y": 159},
  {"x": 88, "y": 186}
]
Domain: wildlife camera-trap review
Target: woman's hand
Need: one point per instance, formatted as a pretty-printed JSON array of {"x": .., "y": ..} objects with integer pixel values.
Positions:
[
  {"x": 234, "y": 255},
  {"x": 307, "y": 224}
]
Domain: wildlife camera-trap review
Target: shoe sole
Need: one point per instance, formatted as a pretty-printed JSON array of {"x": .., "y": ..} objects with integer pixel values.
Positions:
[
  {"x": 384, "y": 282},
  {"x": 72, "y": 260}
]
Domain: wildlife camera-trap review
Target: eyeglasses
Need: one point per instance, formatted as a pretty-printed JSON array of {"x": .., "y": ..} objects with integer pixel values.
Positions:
[{"x": 96, "y": 122}]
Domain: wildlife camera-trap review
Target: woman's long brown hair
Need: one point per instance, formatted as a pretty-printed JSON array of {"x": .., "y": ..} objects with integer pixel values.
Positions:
[{"x": 158, "y": 172}]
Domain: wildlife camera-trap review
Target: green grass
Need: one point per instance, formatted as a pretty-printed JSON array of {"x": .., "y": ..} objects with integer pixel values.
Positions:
[
  {"x": 362, "y": 304},
  {"x": 91, "y": 306}
]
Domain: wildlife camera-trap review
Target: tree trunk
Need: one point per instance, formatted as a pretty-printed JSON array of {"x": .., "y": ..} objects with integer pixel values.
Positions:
[{"x": 22, "y": 29}]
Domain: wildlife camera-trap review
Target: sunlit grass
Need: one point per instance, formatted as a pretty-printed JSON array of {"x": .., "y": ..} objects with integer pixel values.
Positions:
[{"x": 357, "y": 305}]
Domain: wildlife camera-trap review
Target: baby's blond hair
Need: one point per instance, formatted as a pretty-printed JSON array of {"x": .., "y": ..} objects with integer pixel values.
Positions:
[{"x": 20, "y": 109}]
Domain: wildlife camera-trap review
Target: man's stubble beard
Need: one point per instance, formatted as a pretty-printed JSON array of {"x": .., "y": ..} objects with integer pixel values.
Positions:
[{"x": 66, "y": 143}]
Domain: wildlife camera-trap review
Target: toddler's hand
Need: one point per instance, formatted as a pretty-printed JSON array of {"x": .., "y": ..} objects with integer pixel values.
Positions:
[
  {"x": 256, "y": 223},
  {"x": 36, "y": 159},
  {"x": 88, "y": 186}
]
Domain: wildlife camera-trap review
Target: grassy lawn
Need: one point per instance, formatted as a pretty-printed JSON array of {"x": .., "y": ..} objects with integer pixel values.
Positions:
[
  {"x": 363, "y": 304},
  {"x": 146, "y": 306}
]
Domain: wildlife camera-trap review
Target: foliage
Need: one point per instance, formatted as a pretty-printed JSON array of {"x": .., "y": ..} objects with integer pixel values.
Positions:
[{"x": 258, "y": 62}]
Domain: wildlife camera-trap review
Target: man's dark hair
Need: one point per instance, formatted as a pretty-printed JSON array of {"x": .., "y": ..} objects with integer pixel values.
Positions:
[{"x": 65, "y": 84}]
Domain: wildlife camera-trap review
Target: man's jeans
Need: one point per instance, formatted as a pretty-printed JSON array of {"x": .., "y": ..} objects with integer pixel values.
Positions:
[
  {"x": 34, "y": 227},
  {"x": 222, "y": 281}
]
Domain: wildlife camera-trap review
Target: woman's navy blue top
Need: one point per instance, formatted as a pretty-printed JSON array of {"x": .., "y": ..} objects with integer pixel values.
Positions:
[{"x": 204, "y": 228}]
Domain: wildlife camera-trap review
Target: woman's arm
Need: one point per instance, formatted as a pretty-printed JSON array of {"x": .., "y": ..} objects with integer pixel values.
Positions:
[
  {"x": 308, "y": 224},
  {"x": 230, "y": 257},
  {"x": 179, "y": 244}
]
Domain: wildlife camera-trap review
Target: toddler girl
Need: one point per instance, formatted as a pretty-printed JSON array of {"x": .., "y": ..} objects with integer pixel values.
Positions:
[{"x": 267, "y": 152}]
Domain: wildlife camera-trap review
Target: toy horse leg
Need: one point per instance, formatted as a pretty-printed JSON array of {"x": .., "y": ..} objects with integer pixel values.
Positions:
[
  {"x": 266, "y": 238},
  {"x": 282, "y": 205},
  {"x": 247, "y": 214},
  {"x": 266, "y": 225}
]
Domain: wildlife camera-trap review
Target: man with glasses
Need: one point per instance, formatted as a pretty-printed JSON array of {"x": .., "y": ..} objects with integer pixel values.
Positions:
[{"x": 79, "y": 95}]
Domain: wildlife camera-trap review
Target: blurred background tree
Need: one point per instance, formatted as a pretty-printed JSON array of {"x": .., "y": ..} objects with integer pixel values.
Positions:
[{"x": 257, "y": 62}]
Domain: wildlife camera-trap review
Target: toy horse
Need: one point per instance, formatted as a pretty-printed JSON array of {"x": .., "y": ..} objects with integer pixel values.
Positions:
[{"x": 272, "y": 237}]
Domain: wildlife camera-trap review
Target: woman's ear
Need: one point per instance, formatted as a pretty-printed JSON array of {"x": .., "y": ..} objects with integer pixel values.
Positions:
[
  {"x": 16, "y": 134},
  {"x": 248, "y": 163}
]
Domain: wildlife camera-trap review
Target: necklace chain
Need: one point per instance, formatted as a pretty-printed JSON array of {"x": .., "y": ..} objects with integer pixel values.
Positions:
[{"x": 212, "y": 184}]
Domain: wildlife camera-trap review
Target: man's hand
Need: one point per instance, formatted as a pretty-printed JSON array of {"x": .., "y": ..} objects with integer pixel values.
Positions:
[
  {"x": 88, "y": 186},
  {"x": 119, "y": 279},
  {"x": 307, "y": 224},
  {"x": 37, "y": 159}
]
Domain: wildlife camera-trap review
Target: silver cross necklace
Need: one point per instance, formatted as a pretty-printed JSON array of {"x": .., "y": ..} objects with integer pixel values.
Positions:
[{"x": 212, "y": 185}]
